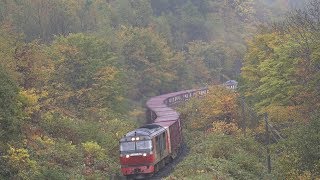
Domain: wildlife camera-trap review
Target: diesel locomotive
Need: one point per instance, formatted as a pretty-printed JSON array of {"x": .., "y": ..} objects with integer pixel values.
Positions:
[{"x": 144, "y": 151}]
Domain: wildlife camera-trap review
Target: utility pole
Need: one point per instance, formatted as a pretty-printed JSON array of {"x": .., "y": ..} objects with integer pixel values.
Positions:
[
  {"x": 268, "y": 142},
  {"x": 244, "y": 124}
]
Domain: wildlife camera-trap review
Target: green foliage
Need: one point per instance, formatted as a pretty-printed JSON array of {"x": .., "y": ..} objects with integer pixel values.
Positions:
[
  {"x": 211, "y": 61},
  {"x": 19, "y": 161},
  {"x": 78, "y": 57},
  {"x": 65, "y": 153},
  {"x": 60, "y": 127},
  {"x": 74, "y": 74},
  {"x": 33, "y": 65},
  {"x": 8, "y": 42},
  {"x": 216, "y": 147},
  {"x": 54, "y": 173},
  {"x": 93, "y": 149},
  {"x": 142, "y": 13},
  {"x": 106, "y": 131},
  {"x": 279, "y": 75},
  {"x": 299, "y": 154},
  {"x": 272, "y": 75},
  {"x": 9, "y": 108},
  {"x": 44, "y": 19},
  {"x": 275, "y": 69},
  {"x": 150, "y": 62},
  {"x": 220, "y": 156},
  {"x": 86, "y": 76}
]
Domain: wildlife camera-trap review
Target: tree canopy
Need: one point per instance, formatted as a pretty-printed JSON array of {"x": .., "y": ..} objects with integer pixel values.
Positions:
[{"x": 75, "y": 76}]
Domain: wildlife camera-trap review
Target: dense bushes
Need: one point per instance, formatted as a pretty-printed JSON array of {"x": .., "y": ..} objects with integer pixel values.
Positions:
[
  {"x": 218, "y": 149},
  {"x": 299, "y": 155}
]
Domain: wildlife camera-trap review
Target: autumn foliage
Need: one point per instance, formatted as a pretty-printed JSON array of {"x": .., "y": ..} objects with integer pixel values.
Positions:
[
  {"x": 218, "y": 109},
  {"x": 75, "y": 75}
]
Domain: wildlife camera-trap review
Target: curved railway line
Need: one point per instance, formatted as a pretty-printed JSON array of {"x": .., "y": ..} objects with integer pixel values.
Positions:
[{"x": 152, "y": 151}]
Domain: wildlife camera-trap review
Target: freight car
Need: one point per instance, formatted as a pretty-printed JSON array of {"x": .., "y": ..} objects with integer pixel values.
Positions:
[{"x": 144, "y": 151}]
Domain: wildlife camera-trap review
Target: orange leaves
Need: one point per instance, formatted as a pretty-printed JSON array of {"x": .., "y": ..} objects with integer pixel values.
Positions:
[
  {"x": 33, "y": 65},
  {"x": 225, "y": 128},
  {"x": 107, "y": 73},
  {"x": 217, "y": 109},
  {"x": 220, "y": 103},
  {"x": 66, "y": 49},
  {"x": 280, "y": 114}
]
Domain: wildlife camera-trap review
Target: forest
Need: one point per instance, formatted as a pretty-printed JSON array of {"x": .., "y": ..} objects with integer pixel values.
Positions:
[{"x": 75, "y": 76}]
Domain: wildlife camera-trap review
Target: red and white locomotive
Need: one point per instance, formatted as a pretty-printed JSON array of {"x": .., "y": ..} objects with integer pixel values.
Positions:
[{"x": 144, "y": 151}]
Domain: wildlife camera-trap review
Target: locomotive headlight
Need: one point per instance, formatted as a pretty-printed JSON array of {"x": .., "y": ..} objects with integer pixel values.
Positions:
[
  {"x": 127, "y": 156},
  {"x": 137, "y": 138},
  {"x": 132, "y": 139},
  {"x": 144, "y": 154}
]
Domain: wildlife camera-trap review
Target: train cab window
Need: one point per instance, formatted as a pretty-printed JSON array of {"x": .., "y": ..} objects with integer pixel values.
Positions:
[
  {"x": 127, "y": 146},
  {"x": 144, "y": 145},
  {"x": 164, "y": 140},
  {"x": 158, "y": 145}
]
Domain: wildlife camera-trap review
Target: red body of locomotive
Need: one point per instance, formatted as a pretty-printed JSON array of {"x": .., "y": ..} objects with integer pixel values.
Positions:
[{"x": 147, "y": 149}]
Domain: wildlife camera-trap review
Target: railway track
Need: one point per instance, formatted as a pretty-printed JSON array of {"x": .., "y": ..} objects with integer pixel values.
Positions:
[
  {"x": 149, "y": 149},
  {"x": 156, "y": 148}
]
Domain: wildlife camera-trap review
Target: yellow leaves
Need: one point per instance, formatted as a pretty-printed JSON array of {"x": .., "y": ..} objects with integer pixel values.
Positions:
[
  {"x": 200, "y": 171},
  {"x": 288, "y": 167},
  {"x": 218, "y": 102},
  {"x": 107, "y": 73},
  {"x": 33, "y": 65},
  {"x": 93, "y": 149},
  {"x": 47, "y": 141},
  {"x": 275, "y": 80},
  {"x": 225, "y": 128},
  {"x": 219, "y": 105},
  {"x": 17, "y": 155},
  {"x": 66, "y": 49},
  {"x": 262, "y": 47},
  {"x": 198, "y": 123},
  {"x": 120, "y": 98},
  {"x": 278, "y": 113},
  {"x": 19, "y": 159},
  {"x": 125, "y": 33},
  {"x": 306, "y": 175},
  {"x": 30, "y": 99}
]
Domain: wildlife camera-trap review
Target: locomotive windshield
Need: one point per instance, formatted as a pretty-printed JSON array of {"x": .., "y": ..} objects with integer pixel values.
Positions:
[
  {"x": 143, "y": 145},
  {"x": 127, "y": 146},
  {"x": 136, "y": 145}
]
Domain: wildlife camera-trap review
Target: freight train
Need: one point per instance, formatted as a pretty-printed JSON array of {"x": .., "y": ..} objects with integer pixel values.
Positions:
[{"x": 144, "y": 151}]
